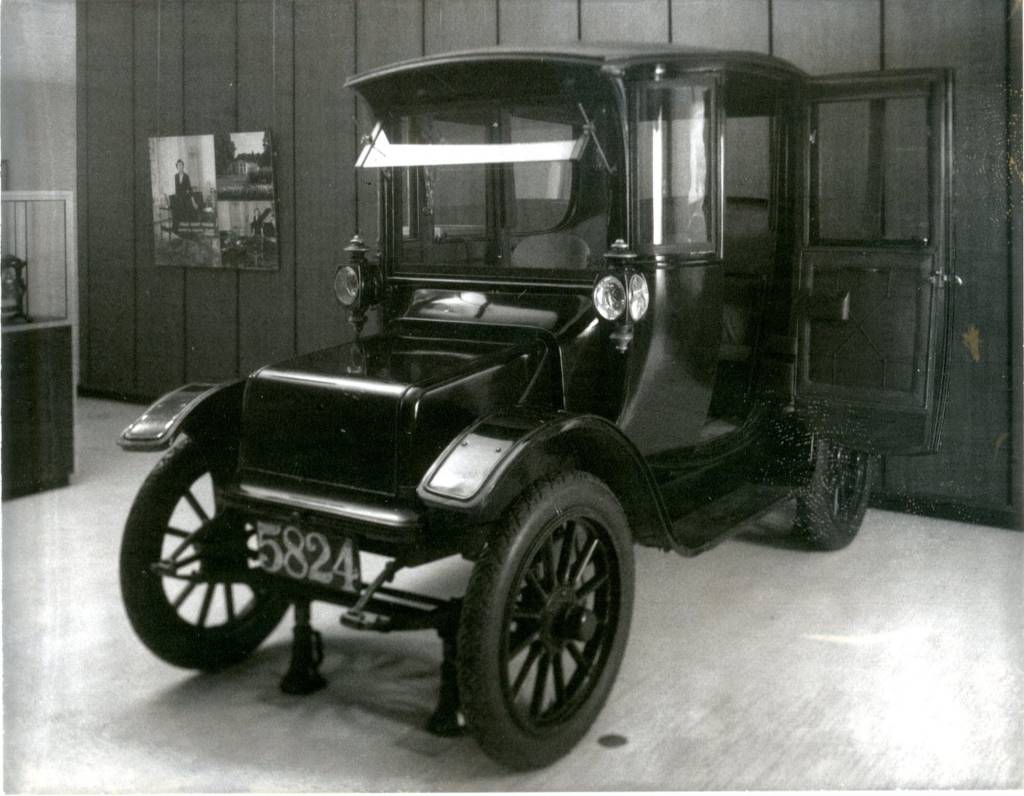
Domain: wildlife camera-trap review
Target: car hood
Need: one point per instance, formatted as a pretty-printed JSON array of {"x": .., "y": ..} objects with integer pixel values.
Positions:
[{"x": 372, "y": 415}]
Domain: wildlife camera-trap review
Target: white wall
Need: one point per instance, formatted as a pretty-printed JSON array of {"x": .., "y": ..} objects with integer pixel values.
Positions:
[{"x": 37, "y": 93}]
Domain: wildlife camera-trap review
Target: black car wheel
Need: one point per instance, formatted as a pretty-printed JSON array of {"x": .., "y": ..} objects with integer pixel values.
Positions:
[
  {"x": 183, "y": 565},
  {"x": 545, "y": 621},
  {"x": 830, "y": 509}
]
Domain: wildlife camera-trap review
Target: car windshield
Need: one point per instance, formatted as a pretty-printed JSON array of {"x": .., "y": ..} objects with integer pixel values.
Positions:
[{"x": 489, "y": 188}]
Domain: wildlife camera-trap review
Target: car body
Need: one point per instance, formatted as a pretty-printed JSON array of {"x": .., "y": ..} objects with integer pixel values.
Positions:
[{"x": 651, "y": 289}]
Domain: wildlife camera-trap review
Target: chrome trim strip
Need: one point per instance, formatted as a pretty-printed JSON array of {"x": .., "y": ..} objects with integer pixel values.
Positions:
[
  {"x": 356, "y": 385},
  {"x": 375, "y": 515}
]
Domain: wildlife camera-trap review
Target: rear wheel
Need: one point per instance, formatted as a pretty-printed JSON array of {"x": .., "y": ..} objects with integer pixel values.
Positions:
[
  {"x": 183, "y": 565},
  {"x": 830, "y": 509},
  {"x": 545, "y": 621}
]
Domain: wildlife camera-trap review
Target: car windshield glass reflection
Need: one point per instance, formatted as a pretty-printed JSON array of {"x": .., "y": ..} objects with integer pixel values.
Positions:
[{"x": 488, "y": 188}]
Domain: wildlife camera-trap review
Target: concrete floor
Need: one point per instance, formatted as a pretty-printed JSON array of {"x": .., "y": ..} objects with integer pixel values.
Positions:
[{"x": 894, "y": 663}]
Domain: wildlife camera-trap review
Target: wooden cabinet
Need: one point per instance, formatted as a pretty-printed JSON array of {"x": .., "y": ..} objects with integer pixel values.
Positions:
[{"x": 37, "y": 407}]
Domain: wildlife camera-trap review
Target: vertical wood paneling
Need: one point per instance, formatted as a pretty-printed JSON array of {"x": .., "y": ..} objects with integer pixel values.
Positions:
[
  {"x": 1014, "y": 132},
  {"x": 525, "y": 22},
  {"x": 82, "y": 188},
  {"x": 211, "y": 296},
  {"x": 109, "y": 249},
  {"x": 159, "y": 291},
  {"x": 458, "y": 24},
  {"x": 827, "y": 36},
  {"x": 324, "y": 154},
  {"x": 729, "y": 24},
  {"x": 266, "y": 299},
  {"x": 976, "y": 434},
  {"x": 386, "y": 31},
  {"x": 624, "y": 20}
]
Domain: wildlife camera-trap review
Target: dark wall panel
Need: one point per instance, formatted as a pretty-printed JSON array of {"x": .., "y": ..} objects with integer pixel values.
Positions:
[
  {"x": 109, "y": 248},
  {"x": 1014, "y": 103},
  {"x": 266, "y": 306},
  {"x": 977, "y": 442},
  {"x": 624, "y": 20},
  {"x": 159, "y": 292},
  {"x": 529, "y": 22},
  {"x": 730, "y": 24},
  {"x": 211, "y": 296},
  {"x": 82, "y": 196},
  {"x": 825, "y": 36},
  {"x": 459, "y": 24},
  {"x": 324, "y": 154}
]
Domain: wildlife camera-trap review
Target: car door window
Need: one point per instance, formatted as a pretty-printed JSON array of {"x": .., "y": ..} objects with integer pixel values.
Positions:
[{"x": 870, "y": 171}]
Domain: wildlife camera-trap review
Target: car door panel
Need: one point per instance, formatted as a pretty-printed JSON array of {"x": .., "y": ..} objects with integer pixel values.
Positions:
[{"x": 874, "y": 305}]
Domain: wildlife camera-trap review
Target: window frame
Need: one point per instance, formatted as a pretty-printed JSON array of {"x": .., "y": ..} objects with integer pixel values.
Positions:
[
  {"x": 873, "y": 90},
  {"x": 498, "y": 186},
  {"x": 658, "y": 74}
]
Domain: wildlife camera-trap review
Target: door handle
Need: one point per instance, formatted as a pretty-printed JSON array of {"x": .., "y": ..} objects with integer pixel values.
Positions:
[{"x": 941, "y": 278}]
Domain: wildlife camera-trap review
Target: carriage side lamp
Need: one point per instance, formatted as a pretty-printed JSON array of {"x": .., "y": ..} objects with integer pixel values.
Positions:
[
  {"x": 357, "y": 283},
  {"x": 621, "y": 294}
]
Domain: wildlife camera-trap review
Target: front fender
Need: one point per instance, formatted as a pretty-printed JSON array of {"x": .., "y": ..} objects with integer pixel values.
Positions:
[
  {"x": 202, "y": 410},
  {"x": 493, "y": 461}
]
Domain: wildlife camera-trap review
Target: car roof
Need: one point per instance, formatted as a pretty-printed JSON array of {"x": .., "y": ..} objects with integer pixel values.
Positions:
[{"x": 595, "y": 54}]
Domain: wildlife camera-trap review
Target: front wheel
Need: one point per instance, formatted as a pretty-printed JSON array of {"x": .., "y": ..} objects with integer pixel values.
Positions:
[
  {"x": 830, "y": 509},
  {"x": 545, "y": 621},
  {"x": 183, "y": 564}
]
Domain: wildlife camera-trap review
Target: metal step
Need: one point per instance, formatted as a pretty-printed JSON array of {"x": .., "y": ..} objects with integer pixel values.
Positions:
[{"x": 704, "y": 527}]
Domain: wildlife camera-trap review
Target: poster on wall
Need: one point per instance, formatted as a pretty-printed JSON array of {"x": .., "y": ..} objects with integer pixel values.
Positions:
[
  {"x": 246, "y": 220},
  {"x": 183, "y": 180},
  {"x": 213, "y": 201}
]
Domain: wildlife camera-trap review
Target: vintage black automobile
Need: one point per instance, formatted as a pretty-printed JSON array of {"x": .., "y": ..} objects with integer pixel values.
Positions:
[{"x": 621, "y": 295}]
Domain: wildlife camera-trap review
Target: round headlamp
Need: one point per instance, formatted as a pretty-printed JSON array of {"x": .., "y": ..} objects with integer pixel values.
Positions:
[
  {"x": 347, "y": 284},
  {"x": 610, "y": 298},
  {"x": 639, "y": 296}
]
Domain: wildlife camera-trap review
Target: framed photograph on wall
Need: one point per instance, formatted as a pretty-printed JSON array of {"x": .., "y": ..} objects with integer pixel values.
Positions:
[
  {"x": 183, "y": 180},
  {"x": 246, "y": 217}
]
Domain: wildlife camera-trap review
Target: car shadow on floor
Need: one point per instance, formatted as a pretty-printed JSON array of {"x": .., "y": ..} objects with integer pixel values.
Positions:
[
  {"x": 396, "y": 682},
  {"x": 382, "y": 689},
  {"x": 774, "y": 529}
]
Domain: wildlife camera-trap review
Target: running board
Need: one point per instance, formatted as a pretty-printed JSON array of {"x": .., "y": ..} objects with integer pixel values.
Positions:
[{"x": 706, "y": 526}]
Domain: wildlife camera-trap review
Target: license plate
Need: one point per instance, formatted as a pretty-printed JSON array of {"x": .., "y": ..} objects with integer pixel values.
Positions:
[{"x": 308, "y": 555}]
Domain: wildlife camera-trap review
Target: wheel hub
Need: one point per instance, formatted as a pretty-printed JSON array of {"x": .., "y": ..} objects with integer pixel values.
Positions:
[{"x": 564, "y": 619}]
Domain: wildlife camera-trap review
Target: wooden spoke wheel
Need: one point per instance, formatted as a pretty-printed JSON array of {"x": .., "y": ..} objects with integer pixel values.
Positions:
[
  {"x": 184, "y": 564},
  {"x": 545, "y": 621}
]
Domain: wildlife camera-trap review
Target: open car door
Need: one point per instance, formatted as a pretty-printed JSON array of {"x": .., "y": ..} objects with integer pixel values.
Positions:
[{"x": 876, "y": 276}]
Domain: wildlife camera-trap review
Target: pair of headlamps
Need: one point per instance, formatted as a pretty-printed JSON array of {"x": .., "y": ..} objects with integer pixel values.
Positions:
[
  {"x": 614, "y": 296},
  {"x": 621, "y": 294}
]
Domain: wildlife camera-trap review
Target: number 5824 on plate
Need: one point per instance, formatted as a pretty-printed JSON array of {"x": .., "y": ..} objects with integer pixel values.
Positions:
[{"x": 308, "y": 555}]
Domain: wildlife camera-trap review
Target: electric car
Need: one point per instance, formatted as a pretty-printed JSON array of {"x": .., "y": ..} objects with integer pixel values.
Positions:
[{"x": 616, "y": 295}]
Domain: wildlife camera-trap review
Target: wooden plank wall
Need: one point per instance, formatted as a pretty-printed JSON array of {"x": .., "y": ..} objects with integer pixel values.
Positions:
[{"x": 166, "y": 67}]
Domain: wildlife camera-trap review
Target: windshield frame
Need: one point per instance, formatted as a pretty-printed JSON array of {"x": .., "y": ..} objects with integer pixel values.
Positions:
[{"x": 601, "y": 108}]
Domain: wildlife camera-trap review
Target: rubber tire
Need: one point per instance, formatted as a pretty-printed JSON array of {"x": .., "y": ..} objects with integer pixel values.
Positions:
[
  {"x": 817, "y": 522},
  {"x": 481, "y": 626},
  {"x": 154, "y": 619}
]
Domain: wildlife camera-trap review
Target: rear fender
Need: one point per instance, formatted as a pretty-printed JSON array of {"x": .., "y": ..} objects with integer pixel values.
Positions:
[
  {"x": 492, "y": 462},
  {"x": 206, "y": 412}
]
